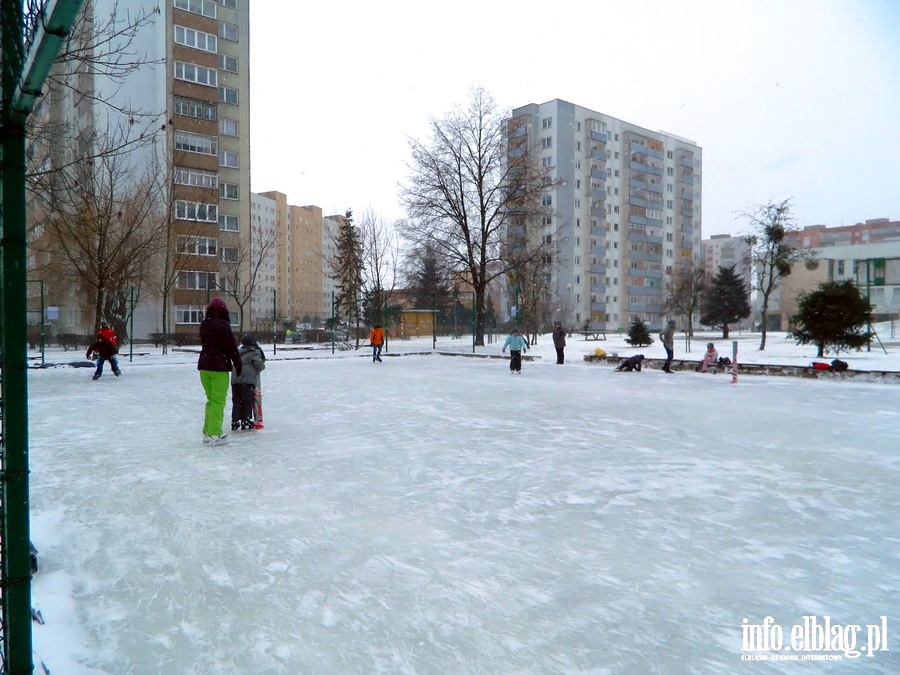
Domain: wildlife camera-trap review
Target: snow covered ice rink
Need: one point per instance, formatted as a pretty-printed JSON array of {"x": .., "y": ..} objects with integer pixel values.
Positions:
[{"x": 436, "y": 514}]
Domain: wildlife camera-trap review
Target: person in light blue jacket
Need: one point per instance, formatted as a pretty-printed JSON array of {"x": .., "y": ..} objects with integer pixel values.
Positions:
[{"x": 517, "y": 345}]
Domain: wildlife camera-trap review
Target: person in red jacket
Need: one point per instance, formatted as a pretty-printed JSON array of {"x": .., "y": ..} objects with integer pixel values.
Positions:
[
  {"x": 106, "y": 348},
  {"x": 218, "y": 354},
  {"x": 376, "y": 339}
]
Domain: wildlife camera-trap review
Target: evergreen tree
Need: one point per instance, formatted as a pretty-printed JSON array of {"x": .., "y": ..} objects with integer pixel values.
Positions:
[
  {"x": 726, "y": 300},
  {"x": 429, "y": 281},
  {"x": 347, "y": 267},
  {"x": 833, "y": 316},
  {"x": 638, "y": 335}
]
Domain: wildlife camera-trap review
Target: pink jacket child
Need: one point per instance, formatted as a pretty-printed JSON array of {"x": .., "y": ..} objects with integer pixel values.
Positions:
[{"x": 710, "y": 357}]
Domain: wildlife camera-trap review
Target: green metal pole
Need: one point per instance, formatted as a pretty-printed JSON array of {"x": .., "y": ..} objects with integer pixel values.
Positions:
[
  {"x": 474, "y": 321},
  {"x": 333, "y": 325},
  {"x": 869, "y": 300},
  {"x": 274, "y": 321},
  {"x": 21, "y": 81},
  {"x": 433, "y": 324},
  {"x": 131, "y": 327},
  {"x": 43, "y": 309}
]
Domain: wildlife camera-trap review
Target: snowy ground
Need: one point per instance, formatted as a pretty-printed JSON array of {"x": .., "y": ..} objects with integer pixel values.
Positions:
[{"x": 436, "y": 514}]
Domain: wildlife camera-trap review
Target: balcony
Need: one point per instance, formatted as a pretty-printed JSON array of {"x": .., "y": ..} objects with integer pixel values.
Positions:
[
  {"x": 596, "y": 153},
  {"x": 598, "y": 269},
  {"x": 599, "y": 136},
  {"x": 599, "y": 174}
]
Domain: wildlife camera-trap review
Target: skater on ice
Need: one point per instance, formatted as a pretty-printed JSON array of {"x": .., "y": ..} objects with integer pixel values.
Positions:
[
  {"x": 106, "y": 349},
  {"x": 517, "y": 346},
  {"x": 667, "y": 335},
  {"x": 218, "y": 354},
  {"x": 245, "y": 384},
  {"x": 559, "y": 342},
  {"x": 376, "y": 339}
]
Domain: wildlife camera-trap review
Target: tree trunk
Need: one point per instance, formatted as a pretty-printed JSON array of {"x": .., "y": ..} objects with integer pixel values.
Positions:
[
  {"x": 725, "y": 332},
  {"x": 762, "y": 326}
]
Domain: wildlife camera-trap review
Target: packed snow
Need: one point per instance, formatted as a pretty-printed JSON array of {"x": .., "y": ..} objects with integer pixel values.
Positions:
[{"x": 438, "y": 514}]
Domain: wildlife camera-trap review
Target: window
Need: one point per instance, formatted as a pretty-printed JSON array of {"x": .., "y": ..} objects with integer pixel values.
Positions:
[
  {"x": 670, "y": 171},
  {"x": 229, "y": 255},
  {"x": 545, "y": 162},
  {"x": 228, "y": 127},
  {"x": 191, "y": 107},
  {"x": 547, "y": 142},
  {"x": 669, "y": 204},
  {"x": 597, "y": 125},
  {"x": 546, "y": 200},
  {"x": 206, "y": 213},
  {"x": 195, "y": 39},
  {"x": 189, "y": 314},
  {"x": 228, "y": 31},
  {"x": 196, "y": 281},
  {"x": 840, "y": 268},
  {"x": 578, "y": 146},
  {"x": 191, "y": 72},
  {"x": 205, "y": 145},
  {"x": 196, "y": 177},
  {"x": 669, "y": 154},
  {"x": 229, "y": 63},
  {"x": 668, "y": 187},
  {"x": 547, "y": 123},
  {"x": 202, "y": 7},
  {"x": 548, "y": 220},
  {"x": 228, "y": 191},
  {"x": 232, "y": 4},
  {"x": 577, "y": 203},
  {"x": 228, "y": 158},
  {"x": 617, "y": 154},
  {"x": 228, "y": 223},
  {"x": 198, "y": 246},
  {"x": 228, "y": 95}
]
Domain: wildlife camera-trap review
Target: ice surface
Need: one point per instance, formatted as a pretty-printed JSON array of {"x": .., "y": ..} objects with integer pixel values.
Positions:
[{"x": 436, "y": 514}]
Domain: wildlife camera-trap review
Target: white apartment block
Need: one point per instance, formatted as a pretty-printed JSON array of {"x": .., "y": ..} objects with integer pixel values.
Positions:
[
  {"x": 263, "y": 223},
  {"x": 626, "y": 206}
]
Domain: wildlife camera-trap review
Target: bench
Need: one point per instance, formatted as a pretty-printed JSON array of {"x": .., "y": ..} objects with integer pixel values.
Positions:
[{"x": 593, "y": 334}]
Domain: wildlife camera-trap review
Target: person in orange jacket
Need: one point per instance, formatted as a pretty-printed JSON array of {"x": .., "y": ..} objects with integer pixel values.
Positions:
[{"x": 376, "y": 339}]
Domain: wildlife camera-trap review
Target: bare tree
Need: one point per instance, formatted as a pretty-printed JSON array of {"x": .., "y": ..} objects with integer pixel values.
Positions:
[
  {"x": 685, "y": 290},
  {"x": 97, "y": 58},
  {"x": 379, "y": 265},
  {"x": 463, "y": 190},
  {"x": 773, "y": 252},
  {"x": 101, "y": 227}
]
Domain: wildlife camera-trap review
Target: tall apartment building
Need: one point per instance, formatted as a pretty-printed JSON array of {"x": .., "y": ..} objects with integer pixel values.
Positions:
[
  {"x": 299, "y": 260},
  {"x": 193, "y": 86},
  {"x": 265, "y": 240},
  {"x": 626, "y": 209}
]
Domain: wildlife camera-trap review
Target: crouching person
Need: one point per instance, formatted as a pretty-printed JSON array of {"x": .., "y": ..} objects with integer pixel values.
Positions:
[{"x": 631, "y": 363}]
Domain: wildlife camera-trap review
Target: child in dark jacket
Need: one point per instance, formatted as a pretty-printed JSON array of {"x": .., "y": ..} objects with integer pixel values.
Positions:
[
  {"x": 245, "y": 384},
  {"x": 105, "y": 351},
  {"x": 630, "y": 364}
]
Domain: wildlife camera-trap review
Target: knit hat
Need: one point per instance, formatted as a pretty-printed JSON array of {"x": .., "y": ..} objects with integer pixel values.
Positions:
[
  {"x": 248, "y": 341},
  {"x": 217, "y": 303}
]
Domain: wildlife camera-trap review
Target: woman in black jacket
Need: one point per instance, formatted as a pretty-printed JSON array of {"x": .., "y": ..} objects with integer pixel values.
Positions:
[{"x": 217, "y": 356}]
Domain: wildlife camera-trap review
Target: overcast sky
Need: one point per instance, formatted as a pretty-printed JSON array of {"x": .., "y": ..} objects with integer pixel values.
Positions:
[{"x": 788, "y": 98}]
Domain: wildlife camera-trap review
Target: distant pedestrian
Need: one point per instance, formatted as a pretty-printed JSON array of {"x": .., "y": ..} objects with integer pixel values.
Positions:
[
  {"x": 517, "y": 346},
  {"x": 710, "y": 358},
  {"x": 376, "y": 339},
  {"x": 559, "y": 341},
  {"x": 667, "y": 335},
  {"x": 218, "y": 354},
  {"x": 105, "y": 348},
  {"x": 245, "y": 384},
  {"x": 631, "y": 363}
]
